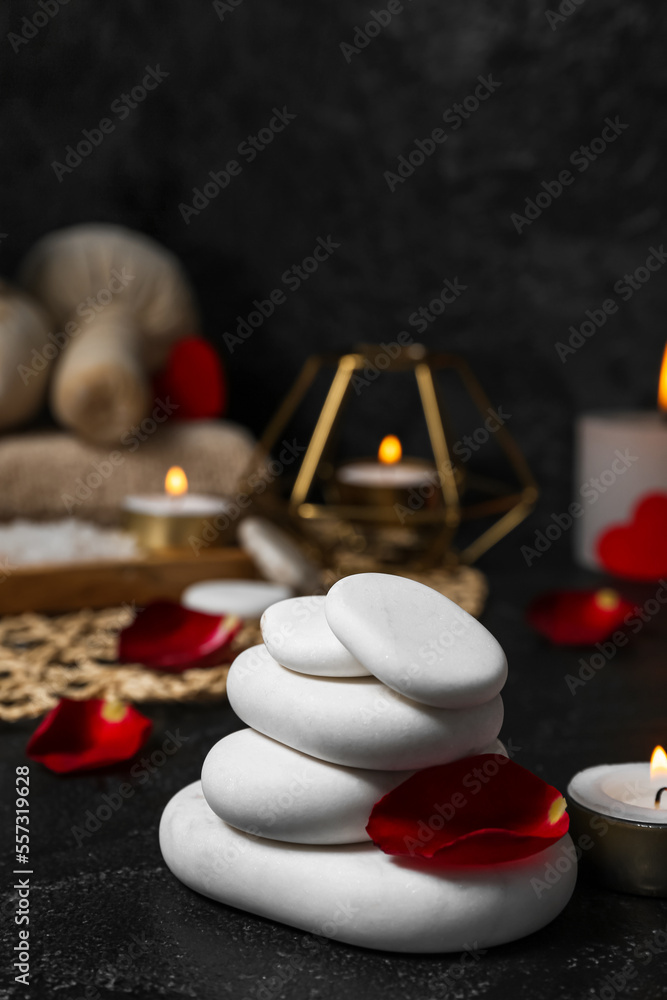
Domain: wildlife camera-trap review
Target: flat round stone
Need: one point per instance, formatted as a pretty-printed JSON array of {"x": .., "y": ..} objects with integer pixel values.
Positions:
[
  {"x": 246, "y": 598},
  {"x": 415, "y": 640},
  {"x": 264, "y": 787},
  {"x": 355, "y": 721},
  {"x": 276, "y": 554},
  {"x": 356, "y": 894},
  {"x": 297, "y": 635}
]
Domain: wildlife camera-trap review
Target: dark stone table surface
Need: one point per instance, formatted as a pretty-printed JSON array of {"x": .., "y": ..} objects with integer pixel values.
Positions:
[{"x": 109, "y": 920}]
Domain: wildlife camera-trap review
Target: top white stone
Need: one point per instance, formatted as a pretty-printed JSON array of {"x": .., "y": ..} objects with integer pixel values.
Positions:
[
  {"x": 415, "y": 640},
  {"x": 297, "y": 635}
]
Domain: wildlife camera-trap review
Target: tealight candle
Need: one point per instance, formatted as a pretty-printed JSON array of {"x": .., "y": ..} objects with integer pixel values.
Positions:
[
  {"x": 387, "y": 480},
  {"x": 175, "y": 517},
  {"x": 622, "y": 810}
]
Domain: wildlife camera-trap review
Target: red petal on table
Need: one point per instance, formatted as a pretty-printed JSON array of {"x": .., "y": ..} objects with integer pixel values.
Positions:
[
  {"x": 194, "y": 379},
  {"x": 82, "y": 735},
  {"x": 167, "y": 636},
  {"x": 481, "y": 810},
  {"x": 578, "y": 617},
  {"x": 637, "y": 550}
]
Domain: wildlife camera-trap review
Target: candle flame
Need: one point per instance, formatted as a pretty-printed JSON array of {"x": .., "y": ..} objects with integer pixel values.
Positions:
[
  {"x": 176, "y": 482},
  {"x": 607, "y": 599},
  {"x": 390, "y": 450},
  {"x": 662, "y": 384},
  {"x": 658, "y": 764}
]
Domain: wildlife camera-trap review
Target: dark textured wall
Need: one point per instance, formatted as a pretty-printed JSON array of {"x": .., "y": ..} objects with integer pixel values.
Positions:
[{"x": 555, "y": 79}]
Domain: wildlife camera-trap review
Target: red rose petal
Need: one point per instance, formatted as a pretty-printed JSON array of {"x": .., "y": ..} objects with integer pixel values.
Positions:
[
  {"x": 481, "y": 810},
  {"x": 637, "y": 550},
  {"x": 194, "y": 379},
  {"x": 167, "y": 636},
  {"x": 82, "y": 735},
  {"x": 578, "y": 617}
]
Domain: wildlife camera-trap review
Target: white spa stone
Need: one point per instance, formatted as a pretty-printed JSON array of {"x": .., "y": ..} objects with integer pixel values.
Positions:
[
  {"x": 278, "y": 557},
  {"x": 416, "y": 640},
  {"x": 355, "y": 893},
  {"x": 266, "y": 788},
  {"x": 355, "y": 721},
  {"x": 246, "y": 598},
  {"x": 297, "y": 635}
]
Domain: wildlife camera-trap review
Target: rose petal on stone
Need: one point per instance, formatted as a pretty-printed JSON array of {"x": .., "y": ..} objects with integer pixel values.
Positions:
[{"x": 481, "y": 810}]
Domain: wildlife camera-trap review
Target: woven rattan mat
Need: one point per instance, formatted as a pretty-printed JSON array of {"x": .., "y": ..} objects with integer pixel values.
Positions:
[{"x": 45, "y": 658}]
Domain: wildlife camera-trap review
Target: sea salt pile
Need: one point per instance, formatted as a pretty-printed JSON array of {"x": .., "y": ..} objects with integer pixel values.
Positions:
[{"x": 26, "y": 543}]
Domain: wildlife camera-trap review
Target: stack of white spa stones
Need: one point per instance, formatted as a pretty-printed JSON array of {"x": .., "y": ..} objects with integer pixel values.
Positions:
[{"x": 348, "y": 696}]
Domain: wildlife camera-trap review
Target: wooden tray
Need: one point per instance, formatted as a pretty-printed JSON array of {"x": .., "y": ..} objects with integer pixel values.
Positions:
[{"x": 104, "y": 584}]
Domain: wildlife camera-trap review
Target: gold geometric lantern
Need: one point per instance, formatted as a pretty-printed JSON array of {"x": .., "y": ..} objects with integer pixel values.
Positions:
[{"x": 319, "y": 495}]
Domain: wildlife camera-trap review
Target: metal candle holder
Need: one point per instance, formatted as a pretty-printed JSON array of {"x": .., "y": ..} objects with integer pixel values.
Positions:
[{"x": 439, "y": 518}]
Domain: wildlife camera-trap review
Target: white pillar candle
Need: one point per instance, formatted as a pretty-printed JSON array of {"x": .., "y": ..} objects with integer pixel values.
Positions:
[{"x": 621, "y": 458}]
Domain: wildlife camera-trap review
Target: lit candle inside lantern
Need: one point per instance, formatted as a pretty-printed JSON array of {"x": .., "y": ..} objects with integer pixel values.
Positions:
[
  {"x": 622, "y": 810},
  {"x": 390, "y": 471},
  {"x": 175, "y": 517},
  {"x": 622, "y": 461}
]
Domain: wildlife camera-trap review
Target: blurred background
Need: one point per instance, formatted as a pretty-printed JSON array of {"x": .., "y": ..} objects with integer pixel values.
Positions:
[{"x": 317, "y": 104}]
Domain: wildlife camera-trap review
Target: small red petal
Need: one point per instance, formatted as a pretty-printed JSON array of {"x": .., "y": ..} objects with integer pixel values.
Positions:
[
  {"x": 82, "y": 735},
  {"x": 167, "y": 636},
  {"x": 194, "y": 379},
  {"x": 578, "y": 617},
  {"x": 477, "y": 811},
  {"x": 637, "y": 550}
]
